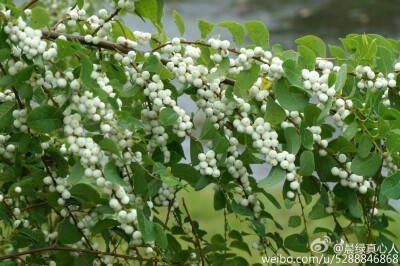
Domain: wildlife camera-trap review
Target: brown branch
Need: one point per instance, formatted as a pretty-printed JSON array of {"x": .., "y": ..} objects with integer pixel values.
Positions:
[
  {"x": 52, "y": 35},
  {"x": 374, "y": 203},
  {"x": 80, "y": 230},
  {"x": 107, "y": 20},
  {"x": 34, "y": 206},
  {"x": 24, "y": 261},
  {"x": 194, "y": 231},
  {"x": 29, "y": 4},
  {"x": 171, "y": 202},
  {"x": 79, "y": 250},
  {"x": 49, "y": 95},
  {"x": 60, "y": 228}
]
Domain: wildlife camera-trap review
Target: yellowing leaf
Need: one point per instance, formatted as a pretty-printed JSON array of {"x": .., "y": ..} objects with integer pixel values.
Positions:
[{"x": 265, "y": 84}]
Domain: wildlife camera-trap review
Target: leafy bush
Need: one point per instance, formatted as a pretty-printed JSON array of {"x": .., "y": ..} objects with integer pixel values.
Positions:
[{"x": 92, "y": 164}]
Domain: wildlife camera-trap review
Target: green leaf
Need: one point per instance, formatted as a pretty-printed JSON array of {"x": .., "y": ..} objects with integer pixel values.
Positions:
[
  {"x": 139, "y": 178},
  {"x": 314, "y": 43},
  {"x": 208, "y": 129},
  {"x": 294, "y": 221},
  {"x": 306, "y": 137},
  {"x": 392, "y": 143},
  {"x": 161, "y": 238},
  {"x": 205, "y": 27},
  {"x": 154, "y": 65},
  {"x": 186, "y": 172},
  {"x": 351, "y": 131},
  {"x": 337, "y": 52},
  {"x": 219, "y": 200},
  {"x": 325, "y": 111},
  {"x": 195, "y": 148},
  {"x": 44, "y": 119},
  {"x": 146, "y": 227},
  {"x": 119, "y": 29},
  {"x": 307, "y": 57},
  {"x": 221, "y": 71},
  {"x": 85, "y": 192},
  {"x": 103, "y": 225},
  {"x": 354, "y": 204},
  {"x": 6, "y": 81},
  {"x": 39, "y": 18},
  {"x": 366, "y": 166},
  {"x": 80, "y": 3},
  {"x": 260, "y": 228},
  {"x": 258, "y": 33},
  {"x": 111, "y": 174},
  {"x": 239, "y": 209},
  {"x": 6, "y": 110},
  {"x": 170, "y": 180},
  {"x": 385, "y": 60},
  {"x": 5, "y": 218},
  {"x": 160, "y": 10},
  {"x": 168, "y": 116},
  {"x": 296, "y": 243},
  {"x": 248, "y": 157},
  {"x": 293, "y": 140},
  {"x": 77, "y": 172},
  {"x": 219, "y": 144},
  {"x": 246, "y": 78},
  {"x": 240, "y": 245},
  {"x": 274, "y": 113},
  {"x": 307, "y": 164},
  {"x": 148, "y": 9},
  {"x": 317, "y": 212},
  {"x": 86, "y": 70},
  {"x": 276, "y": 175},
  {"x": 109, "y": 145},
  {"x": 236, "y": 30},
  {"x": 291, "y": 98},
  {"x": 4, "y": 53},
  {"x": 293, "y": 73},
  {"x": 179, "y": 22},
  {"x": 24, "y": 74},
  {"x": 341, "y": 78},
  {"x": 365, "y": 145},
  {"x": 391, "y": 186},
  {"x": 69, "y": 233}
]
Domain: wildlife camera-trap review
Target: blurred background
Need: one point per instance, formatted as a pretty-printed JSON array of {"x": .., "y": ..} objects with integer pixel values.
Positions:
[{"x": 287, "y": 20}]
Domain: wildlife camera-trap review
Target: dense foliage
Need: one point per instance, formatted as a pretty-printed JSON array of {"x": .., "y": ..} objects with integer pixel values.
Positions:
[{"x": 92, "y": 164}]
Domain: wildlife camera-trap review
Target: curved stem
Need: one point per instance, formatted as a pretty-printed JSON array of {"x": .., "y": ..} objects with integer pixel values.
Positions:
[{"x": 194, "y": 231}]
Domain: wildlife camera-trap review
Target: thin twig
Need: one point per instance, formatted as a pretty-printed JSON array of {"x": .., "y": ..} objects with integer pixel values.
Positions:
[
  {"x": 49, "y": 95},
  {"x": 107, "y": 20},
  {"x": 60, "y": 228},
  {"x": 305, "y": 223},
  {"x": 29, "y": 4},
  {"x": 24, "y": 261},
  {"x": 194, "y": 231}
]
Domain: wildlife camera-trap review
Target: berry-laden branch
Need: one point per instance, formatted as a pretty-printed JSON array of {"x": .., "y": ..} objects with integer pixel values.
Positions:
[{"x": 53, "y": 35}]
